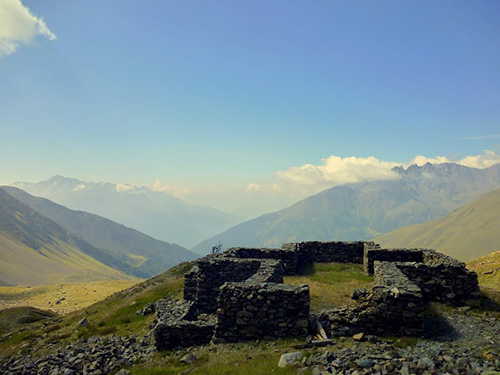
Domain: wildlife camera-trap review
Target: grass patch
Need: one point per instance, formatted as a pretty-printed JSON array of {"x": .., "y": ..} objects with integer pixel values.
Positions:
[
  {"x": 125, "y": 313},
  {"x": 333, "y": 273},
  {"x": 107, "y": 330},
  {"x": 232, "y": 359},
  {"x": 15, "y": 318},
  {"x": 331, "y": 284}
]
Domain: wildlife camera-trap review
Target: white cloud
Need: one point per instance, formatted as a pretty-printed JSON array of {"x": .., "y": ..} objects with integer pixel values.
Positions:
[
  {"x": 121, "y": 188},
  {"x": 485, "y": 160},
  {"x": 18, "y": 26},
  {"x": 80, "y": 187},
  {"x": 335, "y": 170},
  {"x": 253, "y": 187},
  {"x": 177, "y": 192}
]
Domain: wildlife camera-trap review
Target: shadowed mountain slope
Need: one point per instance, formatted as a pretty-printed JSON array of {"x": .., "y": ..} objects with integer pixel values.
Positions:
[
  {"x": 469, "y": 232},
  {"x": 36, "y": 250},
  {"x": 362, "y": 211},
  {"x": 156, "y": 214},
  {"x": 144, "y": 255}
]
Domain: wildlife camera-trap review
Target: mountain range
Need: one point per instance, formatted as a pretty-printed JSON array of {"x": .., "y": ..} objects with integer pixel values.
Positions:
[
  {"x": 362, "y": 211},
  {"x": 157, "y": 214},
  {"x": 36, "y": 250},
  {"x": 468, "y": 232},
  {"x": 139, "y": 255}
]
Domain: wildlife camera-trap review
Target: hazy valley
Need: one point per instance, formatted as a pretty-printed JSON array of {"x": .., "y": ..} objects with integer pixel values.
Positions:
[
  {"x": 156, "y": 214},
  {"x": 38, "y": 250}
]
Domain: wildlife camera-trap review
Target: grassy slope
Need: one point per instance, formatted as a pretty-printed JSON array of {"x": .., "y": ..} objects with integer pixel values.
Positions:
[
  {"x": 53, "y": 263},
  {"x": 36, "y": 250},
  {"x": 117, "y": 314},
  {"x": 145, "y": 255},
  {"x": 467, "y": 233},
  {"x": 61, "y": 298},
  {"x": 488, "y": 270}
]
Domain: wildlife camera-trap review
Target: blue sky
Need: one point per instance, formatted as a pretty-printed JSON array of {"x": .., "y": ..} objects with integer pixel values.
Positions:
[{"x": 212, "y": 96}]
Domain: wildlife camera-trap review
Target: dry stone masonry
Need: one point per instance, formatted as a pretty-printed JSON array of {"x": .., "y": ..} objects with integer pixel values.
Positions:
[{"x": 239, "y": 295}]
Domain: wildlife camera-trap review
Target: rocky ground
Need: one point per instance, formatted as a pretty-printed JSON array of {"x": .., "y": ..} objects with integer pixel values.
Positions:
[
  {"x": 461, "y": 343},
  {"x": 465, "y": 342},
  {"x": 95, "y": 356}
]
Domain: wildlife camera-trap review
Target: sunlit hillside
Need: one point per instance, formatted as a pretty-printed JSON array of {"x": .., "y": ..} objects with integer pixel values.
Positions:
[{"x": 467, "y": 233}]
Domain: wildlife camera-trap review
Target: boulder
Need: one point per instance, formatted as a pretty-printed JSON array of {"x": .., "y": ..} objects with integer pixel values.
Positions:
[{"x": 288, "y": 359}]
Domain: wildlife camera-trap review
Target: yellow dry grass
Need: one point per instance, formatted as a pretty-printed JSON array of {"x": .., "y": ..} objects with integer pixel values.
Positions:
[
  {"x": 64, "y": 298},
  {"x": 488, "y": 270}
]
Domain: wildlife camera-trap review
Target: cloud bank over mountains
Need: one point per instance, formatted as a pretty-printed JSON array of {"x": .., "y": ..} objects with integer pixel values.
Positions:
[
  {"x": 18, "y": 26},
  {"x": 335, "y": 170},
  {"x": 297, "y": 182}
]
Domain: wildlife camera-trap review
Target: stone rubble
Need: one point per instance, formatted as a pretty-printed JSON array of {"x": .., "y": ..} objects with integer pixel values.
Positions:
[
  {"x": 459, "y": 344},
  {"x": 93, "y": 356}
]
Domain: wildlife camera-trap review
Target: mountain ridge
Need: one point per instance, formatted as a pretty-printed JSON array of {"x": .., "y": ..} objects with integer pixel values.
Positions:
[
  {"x": 361, "y": 211},
  {"x": 145, "y": 255},
  {"x": 37, "y": 250},
  {"x": 469, "y": 232}
]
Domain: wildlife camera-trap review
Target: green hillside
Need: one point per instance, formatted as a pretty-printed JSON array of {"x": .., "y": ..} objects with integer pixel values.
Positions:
[
  {"x": 35, "y": 250},
  {"x": 467, "y": 233},
  {"x": 144, "y": 255}
]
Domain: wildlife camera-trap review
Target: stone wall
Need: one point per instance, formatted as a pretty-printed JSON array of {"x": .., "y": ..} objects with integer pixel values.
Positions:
[
  {"x": 286, "y": 255},
  {"x": 372, "y": 254},
  {"x": 182, "y": 334},
  {"x": 229, "y": 298},
  {"x": 331, "y": 251},
  {"x": 270, "y": 271},
  {"x": 202, "y": 283},
  {"x": 443, "y": 279},
  {"x": 394, "y": 306},
  {"x": 176, "y": 325},
  {"x": 440, "y": 277},
  {"x": 261, "y": 311}
]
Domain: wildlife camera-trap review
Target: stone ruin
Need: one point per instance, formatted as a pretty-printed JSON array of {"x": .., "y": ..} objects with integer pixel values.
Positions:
[{"x": 239, "y": 294}]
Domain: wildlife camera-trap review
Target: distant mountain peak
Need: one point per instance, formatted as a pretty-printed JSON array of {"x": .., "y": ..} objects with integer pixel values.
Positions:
[
  {"x": 58, "y": 178},
  {"x": 398, "y": 169}
]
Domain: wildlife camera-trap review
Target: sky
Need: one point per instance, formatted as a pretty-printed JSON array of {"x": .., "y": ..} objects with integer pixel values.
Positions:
[{"x": 245, "y": 105}]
